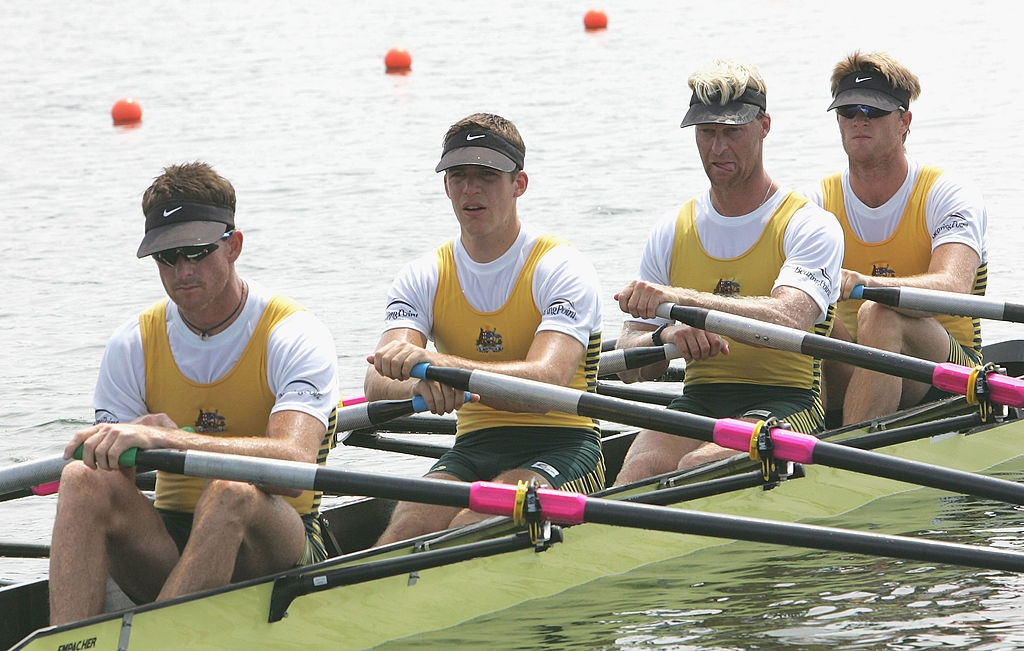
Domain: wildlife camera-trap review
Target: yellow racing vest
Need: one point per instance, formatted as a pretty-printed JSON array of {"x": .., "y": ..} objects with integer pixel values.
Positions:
[
  {"x": 750, "y": 274},
  {"x": 907, "y": 252},
  {"x": 237, "y": 404},
  {"x": 503, "y": 335}
]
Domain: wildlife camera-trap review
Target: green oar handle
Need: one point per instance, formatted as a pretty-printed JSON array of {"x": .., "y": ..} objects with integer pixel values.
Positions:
[{"x": 126, "y": 459}]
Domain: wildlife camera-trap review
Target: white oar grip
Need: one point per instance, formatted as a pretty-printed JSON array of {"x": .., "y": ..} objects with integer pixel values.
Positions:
[{"x": 664, "y": 310}]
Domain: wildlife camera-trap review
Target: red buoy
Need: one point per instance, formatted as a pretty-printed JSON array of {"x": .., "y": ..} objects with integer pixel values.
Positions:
[
  {"x": 595, "y": 19},
  {"x": 398, "y": 61},
  {"x": 126, "y": 111}
]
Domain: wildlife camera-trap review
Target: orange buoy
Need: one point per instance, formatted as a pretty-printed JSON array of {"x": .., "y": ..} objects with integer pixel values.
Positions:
[
  {"x": 126, "y": 111},
  {"x": 595, "y": 19},
  {"x": 398, "y": 61}
]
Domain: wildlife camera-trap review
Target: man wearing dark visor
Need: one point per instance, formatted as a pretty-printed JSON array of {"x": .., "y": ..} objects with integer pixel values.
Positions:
[
  {"x": 501, "y": 296},
  {"x": 905, "y": 225},
  {"x": 749, "y": 246},
  {"x": 220, "y": 365}
]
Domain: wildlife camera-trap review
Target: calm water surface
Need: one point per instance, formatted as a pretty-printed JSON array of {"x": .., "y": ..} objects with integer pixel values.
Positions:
[{"x": 333, "y": 160}]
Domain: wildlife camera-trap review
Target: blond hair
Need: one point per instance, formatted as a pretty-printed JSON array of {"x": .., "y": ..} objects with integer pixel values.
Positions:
[
  {"x": 882, "y": 63},
  {"x": 723, "y": 81}
]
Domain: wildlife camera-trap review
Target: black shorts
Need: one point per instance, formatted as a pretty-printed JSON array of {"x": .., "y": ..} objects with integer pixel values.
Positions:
[
  {"x": 801, "y": 408},
  {"x": 567, "y": 458},
  {"x": 179, "y": 526}
]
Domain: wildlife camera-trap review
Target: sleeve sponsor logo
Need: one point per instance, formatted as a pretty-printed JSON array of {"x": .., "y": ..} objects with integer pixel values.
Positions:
[
  {"x": 104, "y": 416},
  {"x": 817, "y": 276},
  {"x": 301, "y": 388},
  {"x": 562, "y": 306},
  {"x": 400, "y": 310},
  {"x": 954, "y": 222}
]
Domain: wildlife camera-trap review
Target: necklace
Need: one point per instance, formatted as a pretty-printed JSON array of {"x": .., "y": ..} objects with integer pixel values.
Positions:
[
  {"x": 766, "y": 193},
  {"x": 204, "y": 333}
]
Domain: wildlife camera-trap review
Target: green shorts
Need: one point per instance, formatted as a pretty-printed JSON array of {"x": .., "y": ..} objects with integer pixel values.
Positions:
[
  {"x": 179, "y": 525},
  {"x": 801, "y": 408},
  {"x": 567, "y": 458}
]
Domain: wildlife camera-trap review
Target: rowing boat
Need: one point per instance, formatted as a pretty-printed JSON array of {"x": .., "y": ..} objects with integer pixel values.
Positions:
[{"x": 441, "y": 580}]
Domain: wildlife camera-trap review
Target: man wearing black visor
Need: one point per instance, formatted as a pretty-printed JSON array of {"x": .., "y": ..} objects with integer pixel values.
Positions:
[
  {"x": 501, "y": 297},
  {"x": 220, "y": 365},
  {"x": 749, "y": 246},
  {"x": 905, "y": 225}
]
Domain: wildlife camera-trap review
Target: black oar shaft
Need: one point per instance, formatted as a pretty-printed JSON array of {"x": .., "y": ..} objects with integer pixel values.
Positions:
[
  {"x": 871, "y": 463},
  {"x": 815, "y": 537},
  {"x": 368, "y": 414}
]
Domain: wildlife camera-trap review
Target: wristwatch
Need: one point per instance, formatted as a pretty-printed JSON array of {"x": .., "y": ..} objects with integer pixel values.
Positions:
[{"x": 656, "y": 335}]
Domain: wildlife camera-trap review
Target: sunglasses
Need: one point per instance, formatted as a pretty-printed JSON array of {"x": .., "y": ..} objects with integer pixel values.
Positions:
[
  {"x": 170, "y": 257},
  {"x": 870, "y": 112}
]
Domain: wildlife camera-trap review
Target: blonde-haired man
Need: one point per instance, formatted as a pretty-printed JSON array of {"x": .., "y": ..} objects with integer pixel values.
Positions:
[
  {"x": 905, "y": 225},
  {"x": 747, "y": 246}
]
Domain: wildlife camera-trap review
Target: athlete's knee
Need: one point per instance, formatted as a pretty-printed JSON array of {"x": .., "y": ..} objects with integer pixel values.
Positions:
[
  {"x": 227, "y": 497},
  {"x": 99, "y": 488},
  {"x": 873, "y": 316}
]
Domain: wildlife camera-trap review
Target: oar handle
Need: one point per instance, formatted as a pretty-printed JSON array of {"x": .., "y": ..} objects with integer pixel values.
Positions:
[
  {"x": 624, "y": 359},
  {"x": 419, "y": 371},
  {"x": 857, "y": 292},
  {"x": 127, "y": 458},
  {"x": 419, "y": 404}
]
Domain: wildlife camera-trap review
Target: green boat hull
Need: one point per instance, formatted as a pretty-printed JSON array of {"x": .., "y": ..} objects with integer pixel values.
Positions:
[{"x": 376, "y": 611}]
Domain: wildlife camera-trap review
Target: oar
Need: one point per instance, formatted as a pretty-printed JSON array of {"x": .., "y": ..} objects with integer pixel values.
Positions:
[
  {"x": 626, "y": 392},
  {"x": 34, "y": 477},
  {"x": 24, "y": 550},
  {"x": 563, "y": 507},
  {"x": 930, "y": 300},
  {"x": 726, "y": 432},
  {"x": 368, "y": 414},
  {"x": 623, "y": 359},
  {"x": 372, "y": 440},
  {"x": 952, "y": 378}
]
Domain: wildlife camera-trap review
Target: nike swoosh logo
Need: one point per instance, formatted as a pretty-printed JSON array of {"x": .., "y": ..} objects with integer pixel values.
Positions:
[
  {"x": 168, "y": 213},
  {"x": 479, "y": 135},
  {"x": 860, "y": 79}
]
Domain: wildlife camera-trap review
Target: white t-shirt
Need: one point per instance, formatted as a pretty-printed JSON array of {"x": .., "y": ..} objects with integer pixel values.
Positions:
[
  {"x": 813, "y": 246},
  {"x": 954, "y": 211},
  {"x": 563, "y": 274},
  {"x": 300, "y": 353}
]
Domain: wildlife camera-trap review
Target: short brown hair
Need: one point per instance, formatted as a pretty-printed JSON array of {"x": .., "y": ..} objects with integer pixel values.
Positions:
[{"x": 189, "y": 181}]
